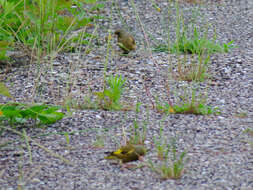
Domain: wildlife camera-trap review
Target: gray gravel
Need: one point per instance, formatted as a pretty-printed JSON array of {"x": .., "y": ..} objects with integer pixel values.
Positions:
[{"x": 219, "y": 152}]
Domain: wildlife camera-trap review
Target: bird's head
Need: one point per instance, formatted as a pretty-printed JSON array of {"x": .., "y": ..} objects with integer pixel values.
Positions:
[{"x": 119, "y": 32}]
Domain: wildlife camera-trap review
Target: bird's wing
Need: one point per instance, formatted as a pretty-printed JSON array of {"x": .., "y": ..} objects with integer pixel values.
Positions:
[
  {"x": 130, "y": 152},
  {"x": 111, "y": 157},
  {"x": 119, "y": 151},
  {"x": 121, "y": 45},
  {"x": 131, "y": 39}
]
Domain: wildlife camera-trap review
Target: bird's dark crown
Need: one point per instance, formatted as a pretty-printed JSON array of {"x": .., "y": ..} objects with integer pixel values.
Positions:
[{"x": 119, "y": 32}]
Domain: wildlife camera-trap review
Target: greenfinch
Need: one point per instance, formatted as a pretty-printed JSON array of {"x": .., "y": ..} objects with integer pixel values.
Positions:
[
  {"x": 125, "y": 41},
  {"x": 127, "y": 153}
]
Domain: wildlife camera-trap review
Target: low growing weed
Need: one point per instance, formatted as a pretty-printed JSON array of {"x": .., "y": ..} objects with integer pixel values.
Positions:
[
  {"x": 198, "y": 45},
  {"x": 4, "y": 46},
  {"x": 17, "y": 113},
  {"x": 4, "y": 90},
  {"x": 138, "y": 136},
  {"x": 109, "y": 98},
  {"x": 172, "y": 164},
  {"x": 188, "y": 105},
  {"x": 196, "y": 70},
  {"x": 191, "y": 41},
  {"x": 161, "y": 146},
  {"x": 99, "y": 142},
  {"x": 44, "y": 26},
  {"x": 195, "y": 45},
  {"x": 249, "y": 131}
]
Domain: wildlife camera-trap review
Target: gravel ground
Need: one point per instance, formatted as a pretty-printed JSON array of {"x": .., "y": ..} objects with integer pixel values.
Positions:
[{"x": 219, "y": 152}]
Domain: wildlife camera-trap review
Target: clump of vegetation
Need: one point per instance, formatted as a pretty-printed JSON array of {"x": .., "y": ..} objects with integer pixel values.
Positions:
[
  {"x": 4, "y": 90},
  {"x": 161, "y": 145},
  {"x": 99, "y": 142},
  {"x": 109, "y": 98},
  {"x": 249, "y": 131},
  {"x": 172, "y": 164},
  {"x": 17, "y": 113},
  {"x": 241, "y": 114},
  {"x": 196, "y": 108},
  {"x": 198, "y": 45},
  {"x": 188, "y": 105},
  {"x": 43, "y": 27},
  {"x": 138, "y": 135},
  {"x": 191, "y": 41},
  {"x": 196, "y": 70},
  {"x": 4, "y": 46}
]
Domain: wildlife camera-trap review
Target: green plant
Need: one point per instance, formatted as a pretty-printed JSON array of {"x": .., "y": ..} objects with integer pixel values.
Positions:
[
  {"x": 4, "y": 46},
  {"x": 7, "y": 17},
  {"x": 194, "y": 45},
  {"x": 228, "y": 46},
  {"x": 172, "y": 165},
  {"x": 155, "y": 6},
  {"x": 45, "y": 25},
  {"x": 99, "y": 142},
  {"x": 138, "y": 135},
  {"x": 67, "y": 138},
  {"x": 160, "y": 48},
  {"x": 88, "y": 103},
  {"x": 189, "y": 40},
  {"x": 161, "y": 145},
  {"x": 249, "y": 131},
  {"x": 189, "y": 105},
  {"x": 197, "y": 109},
  {"x": 20, "y": 113},
  {"x": 4, "y": 90},
  {"x": 109, "y": 98},
  {"x": 196, "y": 70},
  {"x": 241, "y": 114}
]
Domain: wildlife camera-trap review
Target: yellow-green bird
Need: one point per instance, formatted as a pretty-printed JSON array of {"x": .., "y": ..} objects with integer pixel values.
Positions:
[
  {"x": 125, "y": 41},
  {"x": 127, "y": 153}
]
